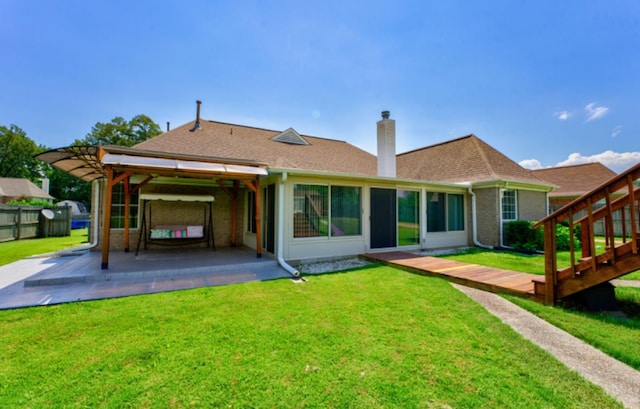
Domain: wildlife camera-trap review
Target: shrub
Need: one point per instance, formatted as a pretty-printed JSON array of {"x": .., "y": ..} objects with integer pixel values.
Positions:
[
  {"x": 521, "y": 235},
  {"x": 562, "y": 237},
  {"x": 32, "y": 202}
]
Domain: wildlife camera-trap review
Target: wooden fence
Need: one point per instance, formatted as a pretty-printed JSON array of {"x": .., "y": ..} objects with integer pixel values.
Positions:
[{"x": 25, "y": 222}]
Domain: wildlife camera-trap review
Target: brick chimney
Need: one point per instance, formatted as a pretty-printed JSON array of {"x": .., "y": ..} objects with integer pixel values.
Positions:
[{"x": 386, "y": 146}]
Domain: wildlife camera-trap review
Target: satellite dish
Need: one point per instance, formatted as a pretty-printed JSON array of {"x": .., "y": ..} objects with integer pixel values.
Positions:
[{"x": 48, "y": 213}]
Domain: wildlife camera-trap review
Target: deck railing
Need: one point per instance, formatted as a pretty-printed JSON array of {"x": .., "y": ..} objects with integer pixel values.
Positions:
[{"x": 619, "y": 197}]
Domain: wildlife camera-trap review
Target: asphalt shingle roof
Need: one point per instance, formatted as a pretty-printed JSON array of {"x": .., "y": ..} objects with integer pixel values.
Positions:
[
  {"x": 575, "y": 180},
  {"x": 17, "y": 187},
  {"x": 224, "y": 140},
  {"x": 465, "y": 159}
]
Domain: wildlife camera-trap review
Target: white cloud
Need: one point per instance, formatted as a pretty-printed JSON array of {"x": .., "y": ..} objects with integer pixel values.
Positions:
[
  {"x": 594, "y": 112},
  {"x": 530, "y": 164},
  {"x": 616, "y": 161},
  {"x": 562, "y": 115},
  {"x": 616, "y": 131}
]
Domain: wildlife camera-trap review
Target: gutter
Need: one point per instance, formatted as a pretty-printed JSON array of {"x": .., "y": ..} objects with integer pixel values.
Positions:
[
  {"x": 295, "y": 273},
  {"x": 474, "y": 227},
  {"x": 95, "y": 210}
]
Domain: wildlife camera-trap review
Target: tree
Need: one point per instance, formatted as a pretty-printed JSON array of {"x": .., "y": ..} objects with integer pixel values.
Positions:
[
  {"x": 64, "y": 186},
  {"x": 121, "y": 132},
  {"x": 16, "y": 155},
  {"x": 118, "y": 132}
]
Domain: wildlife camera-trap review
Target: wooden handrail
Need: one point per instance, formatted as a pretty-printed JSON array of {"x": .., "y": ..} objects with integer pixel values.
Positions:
[
  {"x": 618, "y": 182},
  {"x": 622, "y": 184}
]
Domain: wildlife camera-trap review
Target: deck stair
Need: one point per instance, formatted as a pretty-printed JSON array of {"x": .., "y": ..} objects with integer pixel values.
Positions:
[{"x": 614, "y": 204}]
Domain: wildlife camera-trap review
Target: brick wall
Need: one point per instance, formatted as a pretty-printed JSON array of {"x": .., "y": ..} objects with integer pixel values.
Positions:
[
  {"x": 488, "y": 218},
  {"x": 185, "y": 213},
  {"x": 531, "y": 205}
]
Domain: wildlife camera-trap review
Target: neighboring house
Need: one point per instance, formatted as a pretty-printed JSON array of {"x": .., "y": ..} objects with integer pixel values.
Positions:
[
  {"x": 18, "y": 189},
  {"x": 299, "y": 197},
  {"x": 573, "y": 181}
]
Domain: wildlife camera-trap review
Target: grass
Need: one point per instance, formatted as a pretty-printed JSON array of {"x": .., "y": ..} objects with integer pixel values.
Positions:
[
  {"x": 15, "y": 250},
  {"x": 374, "y": 338},
  {"x": 508, "y": 260},
  {"x": 616, "y": 336}
]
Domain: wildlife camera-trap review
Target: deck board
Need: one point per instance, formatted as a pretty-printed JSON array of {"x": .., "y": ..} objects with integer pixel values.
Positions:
[{"x": 472, "y": 275}]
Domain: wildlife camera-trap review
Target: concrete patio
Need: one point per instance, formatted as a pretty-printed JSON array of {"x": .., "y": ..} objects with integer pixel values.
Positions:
[{"x": 76, "y": 276}]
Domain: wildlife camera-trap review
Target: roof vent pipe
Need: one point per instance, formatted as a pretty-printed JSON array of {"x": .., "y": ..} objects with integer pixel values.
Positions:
[
  {"x": 196, "y": 126},
  {"x": 168, "y": 126}
]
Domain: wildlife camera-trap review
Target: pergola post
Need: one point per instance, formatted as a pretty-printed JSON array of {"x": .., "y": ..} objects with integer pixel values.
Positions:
[
  {"x": 127, "y": 204},
  {"x": 258, "y": 219}
]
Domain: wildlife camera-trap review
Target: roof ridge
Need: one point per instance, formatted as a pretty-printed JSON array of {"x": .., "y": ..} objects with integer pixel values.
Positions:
[
  {"x": 476, "y": 142},
  {"x": 260, "y": 129},
  {"x": 437, "y": 144}
]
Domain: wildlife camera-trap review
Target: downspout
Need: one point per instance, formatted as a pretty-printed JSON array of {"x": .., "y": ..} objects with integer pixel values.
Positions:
[
  {"x": 280, "y": 250},
  {"x": 474, "y": 222},
  {"x": 95, "y": 216}
]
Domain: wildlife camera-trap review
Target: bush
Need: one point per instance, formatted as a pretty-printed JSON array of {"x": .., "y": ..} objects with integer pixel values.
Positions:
[
  {"x": 32, "y": 202},
  {"x": 562, "y": 237},
  {"x": 521, "y": 235}
]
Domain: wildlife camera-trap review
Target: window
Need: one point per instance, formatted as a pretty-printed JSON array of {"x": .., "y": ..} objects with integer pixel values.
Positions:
[
  {"x": 323, "y": 211},
  {"x": 509, "y": 205},
  {"x": 345, "y": 211},
  {"x": 445, "y": 212},
  {"x": 436, "y": 211},
  {"x": 117, "y": 208},
  {"x": 408, "y": 218},
  {"x": 455, "y": 212},
  {"x": 251, "y": 211}
]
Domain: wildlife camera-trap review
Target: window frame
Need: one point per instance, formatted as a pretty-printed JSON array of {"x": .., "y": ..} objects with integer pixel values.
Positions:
[
  {"x": 417, "y": 205},
  {"x": 330, "y": 233},
  {"x": 445, "y": 224},
  {"x": 117, "y": 193},
  {"x": 505, "y": 194}
]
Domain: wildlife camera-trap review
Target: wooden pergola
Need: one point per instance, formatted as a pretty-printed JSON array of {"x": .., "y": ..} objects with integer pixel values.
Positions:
[{"x": 118, "y": 165}]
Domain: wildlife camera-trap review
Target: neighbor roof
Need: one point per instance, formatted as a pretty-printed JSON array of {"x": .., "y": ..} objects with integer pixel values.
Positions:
[
  {"x": 16, "y": 187},
  {"x": 278, "y": 149},
  {"x": 575, "y": 180},
  {"x": 465, "y": 159}
]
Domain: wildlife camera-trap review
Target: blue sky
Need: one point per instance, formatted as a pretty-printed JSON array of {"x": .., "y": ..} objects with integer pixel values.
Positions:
[{"x": 544, "y": 82}]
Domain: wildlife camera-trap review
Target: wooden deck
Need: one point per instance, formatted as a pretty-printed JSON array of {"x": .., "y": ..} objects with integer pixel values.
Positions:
[{"x": 472, "y": 275}]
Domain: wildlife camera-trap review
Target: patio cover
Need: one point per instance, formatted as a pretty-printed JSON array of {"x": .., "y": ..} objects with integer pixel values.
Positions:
[
  {"x": 88, "y": 162},
  {"x": 117, "y": 164}
]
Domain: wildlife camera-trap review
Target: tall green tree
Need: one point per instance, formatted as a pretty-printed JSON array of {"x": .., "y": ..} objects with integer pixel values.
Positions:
[
  {"x": 119, "y": 132},
  {"x": 16, "y": 155}
]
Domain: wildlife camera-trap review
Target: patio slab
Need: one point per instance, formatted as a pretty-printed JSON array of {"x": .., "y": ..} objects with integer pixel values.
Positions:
[{"x": 78, "y": 277}]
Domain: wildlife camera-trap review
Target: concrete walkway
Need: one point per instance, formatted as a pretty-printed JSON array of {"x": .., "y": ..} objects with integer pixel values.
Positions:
[{"x": 617, "y": 379}]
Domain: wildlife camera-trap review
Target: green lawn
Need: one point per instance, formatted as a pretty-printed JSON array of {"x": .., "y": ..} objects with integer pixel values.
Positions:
[
  {"x": 15, "y": 250},
  {"x": 373, "y": 338},
  {"x": 508, "y": 260},
  {"x": 618, "y": 337}
]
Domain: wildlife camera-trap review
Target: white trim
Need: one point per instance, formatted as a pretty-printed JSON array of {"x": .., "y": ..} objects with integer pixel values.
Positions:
[
  {"x": 177, "y": 164},
  {"x": 174, "y": 197}
]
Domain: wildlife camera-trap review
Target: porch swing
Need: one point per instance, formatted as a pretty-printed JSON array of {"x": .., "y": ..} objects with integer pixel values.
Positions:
[{"x": 176, "y": 234}]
